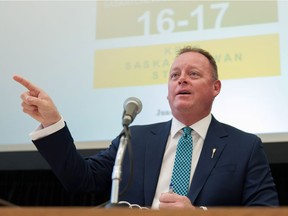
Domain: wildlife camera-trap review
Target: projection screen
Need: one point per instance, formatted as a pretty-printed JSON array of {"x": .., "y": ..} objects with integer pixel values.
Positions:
[{"x": 89, "y": 56}]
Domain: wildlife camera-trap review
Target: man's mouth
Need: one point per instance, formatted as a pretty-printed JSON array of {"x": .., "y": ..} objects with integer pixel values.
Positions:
[{"x": 183, "y": 92}]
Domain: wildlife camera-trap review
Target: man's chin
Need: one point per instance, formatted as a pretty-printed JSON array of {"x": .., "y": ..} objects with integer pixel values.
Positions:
[{"x": 183, "y": 107}]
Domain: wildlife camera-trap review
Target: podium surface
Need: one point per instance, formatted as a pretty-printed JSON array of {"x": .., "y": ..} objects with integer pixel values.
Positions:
[{"x": 90, "y": 211}]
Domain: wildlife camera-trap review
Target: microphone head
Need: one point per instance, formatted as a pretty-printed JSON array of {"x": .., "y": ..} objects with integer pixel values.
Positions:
[
  {"x": 133, "y": 101},
  {"x": 132, "y": 106}
]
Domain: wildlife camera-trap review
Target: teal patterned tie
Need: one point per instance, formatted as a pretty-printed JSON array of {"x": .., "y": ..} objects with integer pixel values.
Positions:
[{"x": 182, "y": 164}]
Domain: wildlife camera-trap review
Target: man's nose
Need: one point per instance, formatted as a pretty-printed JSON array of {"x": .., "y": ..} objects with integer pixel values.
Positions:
[{"x": 182, "y": 79}]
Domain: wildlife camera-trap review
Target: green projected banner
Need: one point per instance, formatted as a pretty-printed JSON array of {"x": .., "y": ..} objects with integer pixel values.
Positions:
[
  {"x": 138, "y": 18},
  {"x": 149, "y": 64}
]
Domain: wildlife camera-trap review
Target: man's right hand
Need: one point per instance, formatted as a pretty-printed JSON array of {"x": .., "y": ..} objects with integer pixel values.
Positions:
[
  {"x": 38, "y": 104},
  {"x": 174, "y": 201}
]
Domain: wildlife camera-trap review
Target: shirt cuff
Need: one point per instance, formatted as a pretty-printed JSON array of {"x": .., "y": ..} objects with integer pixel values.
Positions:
[{"x": 41, "y": 132}]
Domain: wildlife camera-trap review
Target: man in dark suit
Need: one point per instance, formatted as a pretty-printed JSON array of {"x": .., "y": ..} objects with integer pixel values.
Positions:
[{"x": 228, "y": 166}]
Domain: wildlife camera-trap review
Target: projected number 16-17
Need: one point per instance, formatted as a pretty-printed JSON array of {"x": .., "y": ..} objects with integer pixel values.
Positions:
[{"x": 167, "y": 23}]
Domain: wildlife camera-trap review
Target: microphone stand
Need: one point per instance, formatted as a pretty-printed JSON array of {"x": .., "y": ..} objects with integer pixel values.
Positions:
[{"x": 117, "y": 169}]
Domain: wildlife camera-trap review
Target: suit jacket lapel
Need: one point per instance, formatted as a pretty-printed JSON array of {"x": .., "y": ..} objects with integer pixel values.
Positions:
[
  {"x": 206, "y": 162},
  {"x": 155, "y": 148}
]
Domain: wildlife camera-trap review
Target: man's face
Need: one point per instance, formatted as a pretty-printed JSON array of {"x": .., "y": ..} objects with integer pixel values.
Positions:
[{"x": 191, "y": 88}]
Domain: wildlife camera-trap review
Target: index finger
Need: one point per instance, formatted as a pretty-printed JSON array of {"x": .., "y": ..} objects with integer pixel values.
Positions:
[{"x": 26, "y": 83}]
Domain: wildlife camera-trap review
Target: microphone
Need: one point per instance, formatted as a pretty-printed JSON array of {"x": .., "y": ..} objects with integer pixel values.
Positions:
[{"x": 132, "y": 106}]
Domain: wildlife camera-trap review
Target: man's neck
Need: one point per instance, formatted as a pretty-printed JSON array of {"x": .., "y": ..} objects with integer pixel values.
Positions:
[{"x": 189, "y": 118}]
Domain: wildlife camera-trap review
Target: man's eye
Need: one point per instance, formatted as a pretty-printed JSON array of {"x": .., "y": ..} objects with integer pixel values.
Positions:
[
  {"x": 194, "y": 74},
  {"x": 174, "y": 75}
]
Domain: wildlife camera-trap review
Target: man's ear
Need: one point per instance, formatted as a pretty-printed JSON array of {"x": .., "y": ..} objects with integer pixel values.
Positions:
[{"x": 217, "y": 87}]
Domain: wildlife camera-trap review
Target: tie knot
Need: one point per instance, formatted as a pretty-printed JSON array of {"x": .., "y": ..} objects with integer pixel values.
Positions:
[{"x": 187, "y": 131}]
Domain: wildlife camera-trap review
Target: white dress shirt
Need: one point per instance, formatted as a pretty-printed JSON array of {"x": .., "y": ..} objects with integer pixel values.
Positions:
[
  {"x": 41, "y": 132},
  {"x": 198, "y": 134}
]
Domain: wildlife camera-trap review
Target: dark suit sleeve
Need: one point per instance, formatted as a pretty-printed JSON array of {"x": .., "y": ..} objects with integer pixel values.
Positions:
[
  {"x": 259, "y": 187},
  {"x": 77, "y": 174}
]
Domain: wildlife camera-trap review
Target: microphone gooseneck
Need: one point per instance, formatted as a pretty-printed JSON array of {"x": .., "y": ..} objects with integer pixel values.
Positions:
[{"x": 132, "y": 106}]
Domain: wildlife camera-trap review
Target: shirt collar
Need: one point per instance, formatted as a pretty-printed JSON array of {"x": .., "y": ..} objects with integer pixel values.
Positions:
[{"x": 200, "y": 127}]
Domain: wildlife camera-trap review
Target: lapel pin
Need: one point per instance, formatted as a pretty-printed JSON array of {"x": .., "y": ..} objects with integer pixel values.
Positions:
[{"x": 213, "y": 152}]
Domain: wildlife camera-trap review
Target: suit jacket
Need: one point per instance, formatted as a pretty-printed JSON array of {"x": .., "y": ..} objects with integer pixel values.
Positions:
[{"x": 237, "y": 175}]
